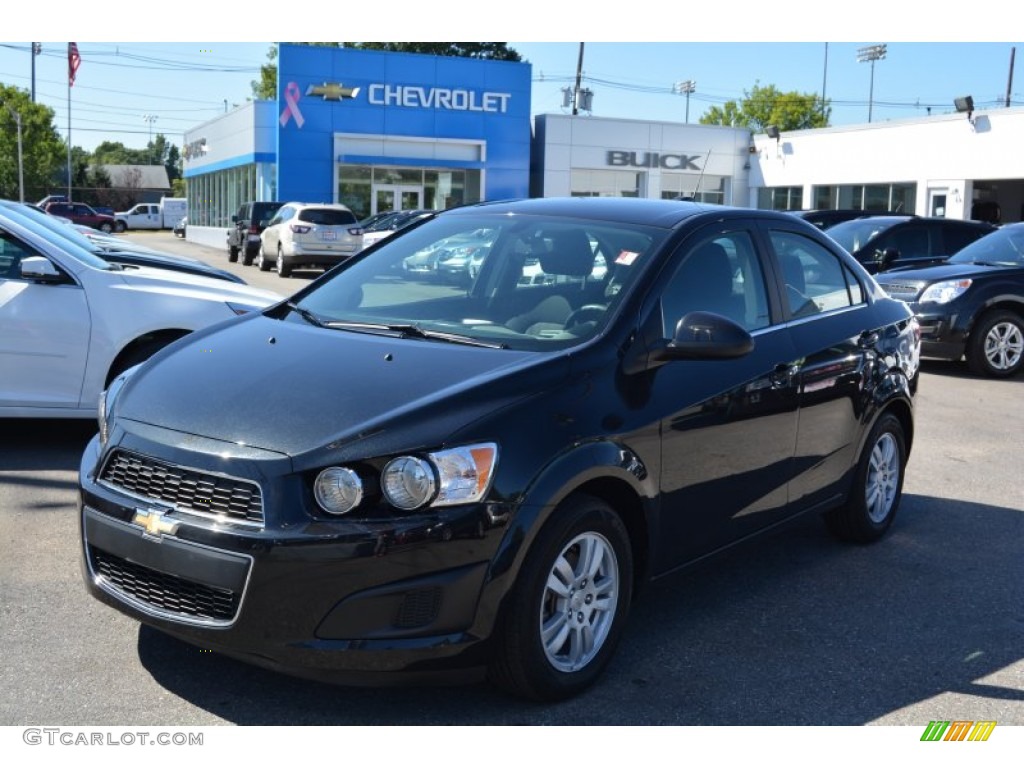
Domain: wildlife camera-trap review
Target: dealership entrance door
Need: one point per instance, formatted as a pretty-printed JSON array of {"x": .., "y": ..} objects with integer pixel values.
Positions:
[{"x": 396, "y": 197}]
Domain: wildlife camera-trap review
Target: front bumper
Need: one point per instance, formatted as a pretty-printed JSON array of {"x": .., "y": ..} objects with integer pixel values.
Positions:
[
  {"x": 943, "y": 334},
  {"x": 341, "y": 601}
]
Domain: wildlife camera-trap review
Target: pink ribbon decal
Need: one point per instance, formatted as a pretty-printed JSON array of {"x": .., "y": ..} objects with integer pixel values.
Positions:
[{"x": 292, "y": 94}]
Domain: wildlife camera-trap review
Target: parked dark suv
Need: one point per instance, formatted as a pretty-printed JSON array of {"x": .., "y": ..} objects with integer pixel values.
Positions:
[
  {"x": 249, "y": 223},
  {"x": 972, "y": 304},
  {"x": 884, "y": 242},
  {"x": 436, "y": 479},
  {"x": 80, "y": 213}
]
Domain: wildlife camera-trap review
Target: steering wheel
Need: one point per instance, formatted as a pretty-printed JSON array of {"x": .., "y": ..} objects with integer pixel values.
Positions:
[{"x": 585, "y": 314}]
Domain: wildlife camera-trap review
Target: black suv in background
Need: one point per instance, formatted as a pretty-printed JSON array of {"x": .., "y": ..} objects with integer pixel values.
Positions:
[
  {"x": 249, "y": 222},
  {"x": 884, "y": 242},
  {"x": 971, "y": 304}
]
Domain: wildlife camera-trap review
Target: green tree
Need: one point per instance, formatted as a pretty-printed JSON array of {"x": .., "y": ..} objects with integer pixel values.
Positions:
[
  {"x": 767, "y": 105},
  {"x": 44, "y": 153},
  {"x": 266, "y": 86}
]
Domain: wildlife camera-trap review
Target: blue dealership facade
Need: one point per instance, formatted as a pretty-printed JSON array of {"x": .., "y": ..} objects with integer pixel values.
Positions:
[{"x": 369, "y": 129}]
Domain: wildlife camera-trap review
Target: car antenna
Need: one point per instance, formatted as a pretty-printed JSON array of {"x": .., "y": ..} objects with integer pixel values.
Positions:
[{"x": 699, "y": 178}]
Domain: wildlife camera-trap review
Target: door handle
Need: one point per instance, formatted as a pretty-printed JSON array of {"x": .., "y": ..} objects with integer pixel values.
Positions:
[{"x": 782, "y": 375}]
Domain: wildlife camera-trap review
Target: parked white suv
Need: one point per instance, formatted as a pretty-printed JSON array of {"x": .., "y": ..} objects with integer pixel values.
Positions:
[
  {"x": 70, "y": 321},
  {"x": 304, "y": 235}
]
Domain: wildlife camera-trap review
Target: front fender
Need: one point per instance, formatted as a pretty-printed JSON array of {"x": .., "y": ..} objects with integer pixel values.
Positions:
[{"x": 587, "y": 466}]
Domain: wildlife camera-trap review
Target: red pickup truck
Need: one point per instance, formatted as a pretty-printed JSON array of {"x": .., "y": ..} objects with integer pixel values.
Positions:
[{"x": 80, "y": 213}]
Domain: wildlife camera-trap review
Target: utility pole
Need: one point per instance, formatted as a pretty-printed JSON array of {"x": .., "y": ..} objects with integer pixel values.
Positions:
[
  {"x": 687, "y": 87},
  {"x": 150, "y": 119},
  {"x": 579, "y": 78},
  {"x": 1009, "y": 82},
  {"x": 37, "y": 48},
  {"x": 21, "y": 162}
]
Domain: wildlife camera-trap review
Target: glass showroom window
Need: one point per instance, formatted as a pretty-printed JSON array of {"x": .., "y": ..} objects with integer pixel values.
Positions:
[
  {"x": 690, "y": 186},
  {"x": 605, "y": 183},
  {"x": 355, "y": 188},
  {"x": 781, "y": 198},
  {"x": 901, "y": 197}
]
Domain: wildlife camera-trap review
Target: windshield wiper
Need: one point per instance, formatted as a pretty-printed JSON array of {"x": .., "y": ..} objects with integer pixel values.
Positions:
[
  {"x": 412, "y": 331},
  {"x": 308, "y": 316}
]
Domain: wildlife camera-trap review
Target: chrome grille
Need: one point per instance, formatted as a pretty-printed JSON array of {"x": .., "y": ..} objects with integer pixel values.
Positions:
[
  {"x": 904, "y": 291},
  {"x": 163, "y": 592},
  {"x": 186, "y": 489}
]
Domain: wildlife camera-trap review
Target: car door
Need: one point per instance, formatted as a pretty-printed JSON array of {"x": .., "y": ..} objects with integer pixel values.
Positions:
[
  {"x": 833, "y": 328},
  {"x": 729, "y": 428},
  {"x": 44, "y": 334}
]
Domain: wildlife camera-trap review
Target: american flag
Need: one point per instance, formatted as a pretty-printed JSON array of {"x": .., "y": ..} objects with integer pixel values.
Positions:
[{"x": 74, "y": 60}]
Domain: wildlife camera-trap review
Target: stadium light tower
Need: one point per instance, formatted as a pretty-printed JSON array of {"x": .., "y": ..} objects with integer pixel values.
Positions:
[{"x": 871, "y": 53}]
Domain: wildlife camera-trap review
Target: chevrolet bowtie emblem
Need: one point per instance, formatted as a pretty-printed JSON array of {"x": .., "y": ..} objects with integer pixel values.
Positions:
[
  {"x": 155, "y": 523},
  {"x": 332, "y": 91}
]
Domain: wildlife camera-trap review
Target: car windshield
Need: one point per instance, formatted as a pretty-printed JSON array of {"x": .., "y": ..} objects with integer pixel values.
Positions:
[
  {"x": 855, "y": 234},
  {"x": 532, "y": 282},
  {"x": 1005, "y": 246}
]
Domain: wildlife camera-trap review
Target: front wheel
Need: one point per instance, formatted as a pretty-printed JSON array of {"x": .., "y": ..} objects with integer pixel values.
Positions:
[
  {"x": 232, "y": 253},
  {"x": 120, "y": 227},
  {"x": 877, "y": 485},
  {"x": 568, "y": 608},
  {"x": 996, "y": 346},
  {"x": 106, "y": 227}
]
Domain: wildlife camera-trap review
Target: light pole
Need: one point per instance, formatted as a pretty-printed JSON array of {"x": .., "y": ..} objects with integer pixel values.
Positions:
[
  {"x": 871, "y": 53},
  {"x": 21, "y": 163},
  {"x": 150, "y": 119},
  {"x": 687, "y": 87}
]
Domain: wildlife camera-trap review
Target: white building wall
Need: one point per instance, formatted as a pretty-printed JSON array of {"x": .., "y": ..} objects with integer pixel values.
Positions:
[
  {"x": 567, "y": 142},
  {"x": 941, "y": 152}
]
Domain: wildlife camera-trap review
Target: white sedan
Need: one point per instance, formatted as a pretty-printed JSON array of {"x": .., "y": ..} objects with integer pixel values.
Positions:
[{"x": 70, "y": 321}]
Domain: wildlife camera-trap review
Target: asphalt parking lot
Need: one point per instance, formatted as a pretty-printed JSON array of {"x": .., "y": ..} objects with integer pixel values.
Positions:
[{"x": 796, "y": 629}]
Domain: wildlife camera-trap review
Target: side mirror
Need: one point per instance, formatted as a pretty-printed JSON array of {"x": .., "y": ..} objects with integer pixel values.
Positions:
[
  {"x": 234, "y": 219},
  {"x": 39, "y": 268},
  {"x": 705, "y": 336}
]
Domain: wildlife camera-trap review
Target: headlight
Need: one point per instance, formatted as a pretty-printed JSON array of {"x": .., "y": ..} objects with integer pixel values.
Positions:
[
  {"x": 456, "y": 476},
  {"x": 106, "y": 403},
  {"x": 945, "y": 292},
  {"x": 338, "y": 490},
  {"x": 408, "y": 482}
]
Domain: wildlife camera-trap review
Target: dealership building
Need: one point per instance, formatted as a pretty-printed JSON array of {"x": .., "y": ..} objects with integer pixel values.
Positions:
[{"x": 380, "y": 131}]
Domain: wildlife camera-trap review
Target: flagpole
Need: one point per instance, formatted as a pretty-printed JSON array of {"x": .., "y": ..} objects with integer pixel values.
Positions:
[{"x": 70, "y": 75}]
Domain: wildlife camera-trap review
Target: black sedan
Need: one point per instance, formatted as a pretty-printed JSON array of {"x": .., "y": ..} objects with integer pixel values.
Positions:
[
  {"x": 972, "y": 304},
  {"x": 481, "y": 479}
]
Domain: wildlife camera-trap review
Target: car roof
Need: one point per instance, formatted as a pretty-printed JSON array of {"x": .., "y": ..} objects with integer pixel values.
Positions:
[{"x": 641, "y": 211}]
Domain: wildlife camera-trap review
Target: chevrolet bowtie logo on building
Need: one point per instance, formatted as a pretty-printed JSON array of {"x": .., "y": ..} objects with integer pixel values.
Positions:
[
  {"x": 332, "y": 91},
  {"x": 155, "y": 522}
]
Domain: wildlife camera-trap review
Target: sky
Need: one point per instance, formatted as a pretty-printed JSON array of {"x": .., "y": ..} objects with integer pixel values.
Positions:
[{"x": 165, "y": 83}]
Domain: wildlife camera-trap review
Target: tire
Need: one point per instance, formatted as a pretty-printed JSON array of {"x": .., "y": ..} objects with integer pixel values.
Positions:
[
  {"x": 877, "y": 486},
  {"x": 106, "y": 227},
  {"x": 247, "y": 258},
  {"x": 263, "y": 262},
  {"x": 120, "y": 227},
  {"x": 561, "y": 625},
  {"x": 283, "y": 270},
  {"x": 138, "y": 355},
  {"x": 996, "y": 345},
  {"x": 232, "y": 253}
]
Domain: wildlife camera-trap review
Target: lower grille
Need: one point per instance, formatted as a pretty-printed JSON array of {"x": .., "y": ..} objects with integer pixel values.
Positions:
[
  {"x": 186, "y": 489},
  {"x": 162, "y": 592}
]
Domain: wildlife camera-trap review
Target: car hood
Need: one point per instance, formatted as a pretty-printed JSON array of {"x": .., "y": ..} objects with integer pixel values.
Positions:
[
  {"x": 301, "y": 390},
  {"x": 167, "y": 281},
  {"x": 935, "y": 272}
]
